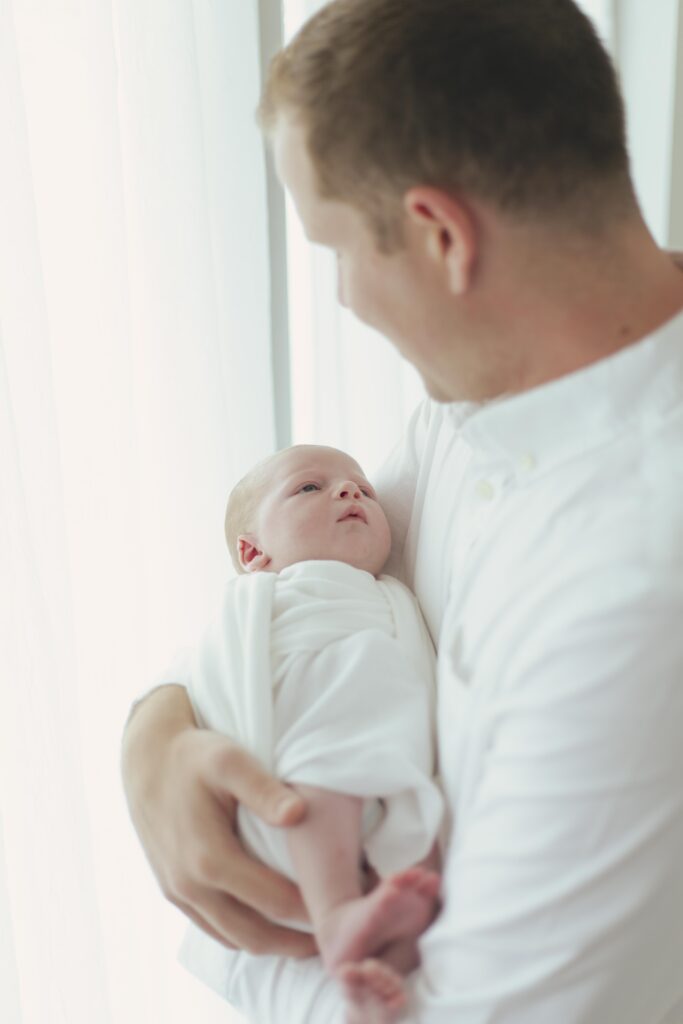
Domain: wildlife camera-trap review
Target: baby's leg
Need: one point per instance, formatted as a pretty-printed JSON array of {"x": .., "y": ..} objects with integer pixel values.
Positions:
[
  {"x": 326, "y": 852},
  {"x": 374, "y": 989}
]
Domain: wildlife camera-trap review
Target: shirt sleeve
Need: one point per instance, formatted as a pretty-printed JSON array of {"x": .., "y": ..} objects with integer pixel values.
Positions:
[
  {"x": 267, "y": 989},
  {"x": 276, "y": 990},
  {"x": 563, "y": 889}
]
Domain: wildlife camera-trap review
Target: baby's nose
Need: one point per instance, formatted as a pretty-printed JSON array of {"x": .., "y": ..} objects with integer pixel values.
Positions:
[{"x": 349, "y": 490}]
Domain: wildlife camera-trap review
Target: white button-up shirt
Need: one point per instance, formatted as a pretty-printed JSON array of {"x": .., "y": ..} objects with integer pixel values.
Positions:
[{"x": 543, "y": 536}]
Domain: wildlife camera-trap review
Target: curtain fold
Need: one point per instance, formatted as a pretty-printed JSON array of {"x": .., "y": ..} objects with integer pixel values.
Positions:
[{"x": 135, "y": 388}]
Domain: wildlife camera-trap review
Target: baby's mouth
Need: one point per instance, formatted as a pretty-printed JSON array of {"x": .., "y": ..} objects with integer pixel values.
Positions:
[{"x": 355, "y": 512}]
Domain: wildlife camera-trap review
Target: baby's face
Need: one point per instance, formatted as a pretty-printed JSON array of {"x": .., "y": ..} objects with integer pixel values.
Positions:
[{"x": 318, "y": 505}]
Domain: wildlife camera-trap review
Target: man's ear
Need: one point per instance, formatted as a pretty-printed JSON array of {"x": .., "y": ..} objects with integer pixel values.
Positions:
[
  {"x": 250, "y": 556},
  {"x": 450, "y": 233}
]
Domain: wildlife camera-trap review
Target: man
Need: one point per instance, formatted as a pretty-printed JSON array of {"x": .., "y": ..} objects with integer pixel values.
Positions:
[{"x": 466, "y": 161}]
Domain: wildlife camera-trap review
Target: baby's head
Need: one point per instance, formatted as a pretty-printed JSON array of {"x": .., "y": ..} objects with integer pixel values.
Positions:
[{"x": 306, "y": 503}]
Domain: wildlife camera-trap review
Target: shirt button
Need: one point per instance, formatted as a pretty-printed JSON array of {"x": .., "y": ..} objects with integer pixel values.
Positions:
[
  {"x": 527, "y": 462},
  {"x": 485, "y": 490}
]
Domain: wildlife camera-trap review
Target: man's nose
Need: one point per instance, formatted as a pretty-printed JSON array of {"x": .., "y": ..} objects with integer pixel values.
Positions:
[{"x": 347, "y": 489}]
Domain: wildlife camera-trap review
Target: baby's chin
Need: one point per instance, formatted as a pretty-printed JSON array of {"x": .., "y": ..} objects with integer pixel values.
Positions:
[
  {"x": 371, "y": 565},
  {"x": 366, "y": 561},
  {"x": 370, "y": 559}
]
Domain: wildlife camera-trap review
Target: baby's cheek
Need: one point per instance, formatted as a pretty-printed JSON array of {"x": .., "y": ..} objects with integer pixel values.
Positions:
[
  {"x": 384, "y": 530},
  {"x": 384, "y": 544},
  {"x": 307, "y": 531}
]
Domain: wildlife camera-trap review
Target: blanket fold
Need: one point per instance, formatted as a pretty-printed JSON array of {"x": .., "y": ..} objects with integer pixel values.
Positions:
[{"x": 327, "y": 675}]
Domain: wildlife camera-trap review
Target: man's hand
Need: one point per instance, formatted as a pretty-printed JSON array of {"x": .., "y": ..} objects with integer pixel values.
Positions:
[{"x": 183, "y": 784}]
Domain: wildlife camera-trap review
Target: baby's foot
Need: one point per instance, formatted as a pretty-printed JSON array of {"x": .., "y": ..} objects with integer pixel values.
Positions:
[
  {"x": 423, "y": 881},
  {"x": 400, "y": 907},
  {"x": 374, "y": 992},
  {"x": 403, "y": 955}
]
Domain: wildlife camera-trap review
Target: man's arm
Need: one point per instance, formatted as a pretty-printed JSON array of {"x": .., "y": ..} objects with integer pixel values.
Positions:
[
  {"x": 563, "y": 889},
  {"x": 182, "y": 784}
]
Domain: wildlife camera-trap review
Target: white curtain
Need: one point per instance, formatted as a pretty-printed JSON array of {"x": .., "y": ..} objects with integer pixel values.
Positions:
[
  {"x": 649, "y": 45},
  {"x": 135, "y": 386}
]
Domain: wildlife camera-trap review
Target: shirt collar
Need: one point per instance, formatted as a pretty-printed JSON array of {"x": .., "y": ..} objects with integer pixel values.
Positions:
[{"x": 548, "y": 424}]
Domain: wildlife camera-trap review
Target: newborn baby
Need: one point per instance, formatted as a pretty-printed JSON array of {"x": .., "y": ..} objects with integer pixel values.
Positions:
[{"x": 324, "y": 669}]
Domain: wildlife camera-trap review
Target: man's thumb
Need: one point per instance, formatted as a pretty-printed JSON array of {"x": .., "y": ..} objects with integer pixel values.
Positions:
[
  {"x": 289, "y": 808},
  {"x": 246, "y": 781}
]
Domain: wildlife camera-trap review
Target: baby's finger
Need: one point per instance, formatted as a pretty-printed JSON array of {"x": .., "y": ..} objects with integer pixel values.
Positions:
[
  {"x": 240, "y": 777},
  {"x": 242, "y": 927}
]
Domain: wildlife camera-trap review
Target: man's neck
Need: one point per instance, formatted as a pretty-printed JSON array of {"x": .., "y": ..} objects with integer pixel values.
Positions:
[{"x": 569, "y": 305}]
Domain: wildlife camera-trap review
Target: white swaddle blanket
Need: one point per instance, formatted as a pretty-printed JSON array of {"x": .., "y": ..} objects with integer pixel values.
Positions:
[{"x": 326, "y": 674}]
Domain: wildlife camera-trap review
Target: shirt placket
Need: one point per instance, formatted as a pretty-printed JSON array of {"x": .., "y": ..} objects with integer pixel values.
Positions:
[{"x": 485, "y": 486}]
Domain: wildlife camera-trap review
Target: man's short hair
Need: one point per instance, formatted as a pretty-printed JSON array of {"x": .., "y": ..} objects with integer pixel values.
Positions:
[{"x": 514, "y": 102}]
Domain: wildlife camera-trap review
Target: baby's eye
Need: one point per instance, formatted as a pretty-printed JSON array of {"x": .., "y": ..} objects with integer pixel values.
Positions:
[
  {"x": 307, "y": 488},
  {"x": 366, "y": 492}
]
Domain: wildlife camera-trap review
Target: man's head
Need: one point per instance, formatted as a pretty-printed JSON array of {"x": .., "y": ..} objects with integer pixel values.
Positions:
[
  {"x": 460, "y": 157},
  {"x": 306, "y": 503},
  {"x": 514, "y": 104}
]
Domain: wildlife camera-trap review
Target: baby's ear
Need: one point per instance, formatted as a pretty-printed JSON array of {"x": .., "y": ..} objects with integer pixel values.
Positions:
[{"x": 250, "y": 556}]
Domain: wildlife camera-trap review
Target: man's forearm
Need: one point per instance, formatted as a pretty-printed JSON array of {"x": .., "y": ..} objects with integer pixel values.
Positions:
[{"x": 161, "y": 715}]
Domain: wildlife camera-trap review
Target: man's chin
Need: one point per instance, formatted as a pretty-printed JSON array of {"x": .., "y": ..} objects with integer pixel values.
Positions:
[{"x": 436, "y": 391}]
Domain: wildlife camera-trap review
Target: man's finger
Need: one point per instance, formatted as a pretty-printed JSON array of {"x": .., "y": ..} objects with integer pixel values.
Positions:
[
  {"x": 204, "y": 925},
  {"x": 254, "y": 884},
  {"x": 242, "y": 778},
  {"x": 249, "y": 931}
]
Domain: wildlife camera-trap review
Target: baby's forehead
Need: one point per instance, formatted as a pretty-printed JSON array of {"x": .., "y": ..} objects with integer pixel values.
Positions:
[{"x": 313, "y": 459}]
